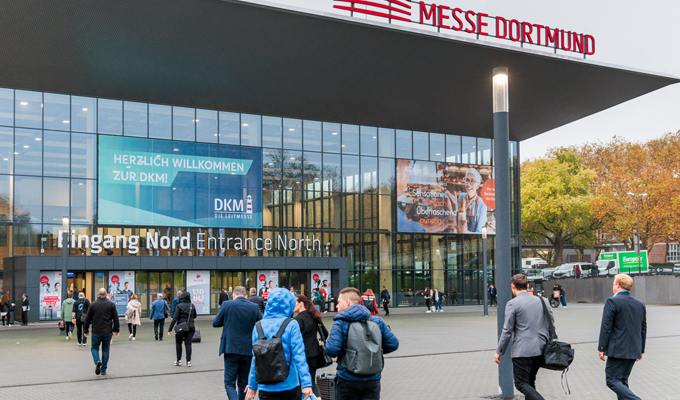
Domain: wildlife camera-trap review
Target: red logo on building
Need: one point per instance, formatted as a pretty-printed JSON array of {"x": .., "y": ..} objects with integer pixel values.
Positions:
[
  {"x": 44, "y": 280},
  {"x": 390, "y": 9},
  {"x": 115, "y": 279},
  {"x": 198, "y": 276}
]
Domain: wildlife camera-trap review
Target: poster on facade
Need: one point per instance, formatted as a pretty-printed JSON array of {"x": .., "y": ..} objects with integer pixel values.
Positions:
[
  {"x": 321, "y": 280},
  {"x": 50, "y": 295},
  {"x": 121, "y": 288},
  {"x": 439, "y": 197},
  {"x": 198, "y": 285},
  {"x": 267, "y": 281},
  {"x": 147, "y": 182}
]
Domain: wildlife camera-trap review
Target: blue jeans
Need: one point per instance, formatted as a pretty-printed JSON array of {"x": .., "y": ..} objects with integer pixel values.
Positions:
[
  {"x": 236, "y": 368},
  {"x": 437, "y": 305},
  {"x": 563, "y": 299},
  {"x": 105, "y": 341}
]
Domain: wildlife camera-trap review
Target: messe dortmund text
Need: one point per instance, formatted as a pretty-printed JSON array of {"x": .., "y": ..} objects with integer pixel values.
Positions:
[{"x": 154, "y": 241}]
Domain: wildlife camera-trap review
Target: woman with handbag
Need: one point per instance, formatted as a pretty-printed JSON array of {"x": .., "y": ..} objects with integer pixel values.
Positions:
[
  {"x": 132, "y": 316},
  {"x": 183, "y": 322},
  {"x": 311, "y": 325},
  {"x": 5, "y": 306}
]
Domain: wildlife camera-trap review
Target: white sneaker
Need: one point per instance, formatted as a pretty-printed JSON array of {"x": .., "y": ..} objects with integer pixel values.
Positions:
[
  {"x": 428, "y": 311},
  {"x": 133, "y": 338},
  {"x": 130, "y": 337}
]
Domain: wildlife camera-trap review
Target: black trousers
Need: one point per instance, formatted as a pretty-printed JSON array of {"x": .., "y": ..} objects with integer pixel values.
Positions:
[
  {"x": 287, "y": 395},
  {"x": 186, "y": 338},
  {"x": 617, "y": 371},
  {"x": 427, "y": 304},
  {"x": 132, "y": 329},
  {"x": 386, "y": 307},
  {"x": 79, "y": 332},
  {"x": 525, "y": 370},
  {"x": 24, "y": 317},
  {"x": 158, "y": 325},
  {"x": 353, "y": 390}
]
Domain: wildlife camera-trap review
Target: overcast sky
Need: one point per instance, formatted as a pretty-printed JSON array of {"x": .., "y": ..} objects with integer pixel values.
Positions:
[{"x": 632, "y": 34}]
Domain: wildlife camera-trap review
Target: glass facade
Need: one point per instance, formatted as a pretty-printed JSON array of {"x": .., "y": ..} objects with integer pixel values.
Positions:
[{"x": 329, "y": 179}]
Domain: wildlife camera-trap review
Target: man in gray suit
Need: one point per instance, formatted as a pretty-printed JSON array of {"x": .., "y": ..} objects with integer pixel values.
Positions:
[
  {"x": 622, "y": 336},
  {"x": 525, "y": 322}
]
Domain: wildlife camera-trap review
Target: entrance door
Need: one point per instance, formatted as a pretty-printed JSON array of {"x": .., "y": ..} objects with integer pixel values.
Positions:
[{"x": 298, "y": 280}]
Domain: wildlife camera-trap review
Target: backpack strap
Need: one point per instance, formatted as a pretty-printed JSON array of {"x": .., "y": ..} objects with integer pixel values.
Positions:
[
  {"x": 260, "y": 333},
  {"x": 546, "y": 315},
  {"x": 282, "y": 328}
]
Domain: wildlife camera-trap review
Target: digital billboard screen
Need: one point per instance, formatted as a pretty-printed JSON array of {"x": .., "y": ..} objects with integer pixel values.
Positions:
[{"x": 147, "y": 182}]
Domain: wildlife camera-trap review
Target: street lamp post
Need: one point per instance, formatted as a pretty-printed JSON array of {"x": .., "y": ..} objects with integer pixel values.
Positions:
[
  {"x": 486, "y": 290},
  {"x": 64, "y": 260},
  {"x": 637, "y": 239},
  {"x": 501, "y": 135}
]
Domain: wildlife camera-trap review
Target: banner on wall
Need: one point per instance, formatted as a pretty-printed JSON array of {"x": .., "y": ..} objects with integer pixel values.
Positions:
[
  {"x": 439, "y": 197},
  {"x": 50, "y": 295},
  {"x": 267, "y": 281},
  {"x": 321, "y": 280},
  {"x": 198, "y": 285},
  {"x": 147, "y": 182},
  {"x": 121, "y": 288}
]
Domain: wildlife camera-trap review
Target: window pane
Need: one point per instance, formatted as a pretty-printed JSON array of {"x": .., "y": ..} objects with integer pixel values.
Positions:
[
  {"x": 83, "y": 114},
  {"x": 56, "y": 154},
  {"x": 5, "y": 197},
  {"x": 387, "y": 180},
  {"x": 312, "y": 135},
  {"x": 229, "y": 128},
  {"x": 272, "y": 164},
  {"x": 83, "y": 156},
  {"x": 453, "y": 148},
  {"x": 421, "y": 147},
  {"x": 350, "y": 139},
  {"x": 369, "y": 174},
  {"x": 437, "y": 147},
  {"x": 484, "y": 151},
  {"x": 271, "y": 132},
  {"x": 469, "y": 150},
  {"x": 292, "y": 170},
  {"x": 386, "y": 141},
  {"x": 404, "y": 144},
  {"x": 27, "y": 199},
  {"x": 83, "y": 201},
  {"x": 292, "y": 134},
  {"x": 183, "y": 124},
  {"x": 350, "y": 174},
  {"x": 206, "y": 126},
  {"x": 27, "y": 152},
  {"x": 28, "y": 109},
  {"x": 331, "y": 137},
  {"x": 55, "y": 199},
  {"x": 135, "y": 119},
  {"x": 110, "y": 116},
  {"x": 369, "y": 141},
  {"x": 57, "y": 112},
  {"x": 332, "y": 181},
  {"x": 6, "y": 107},
  {"x": 6, "y": 150},
  {"x": 311, "y": 170},
  {"x": 160, "y": 121},
  {"x": 250, "y": 130}
]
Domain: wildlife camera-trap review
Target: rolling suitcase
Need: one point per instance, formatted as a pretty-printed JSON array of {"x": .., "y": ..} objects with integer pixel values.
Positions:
[
  {"x": 326, "y": 383},
  {"x": 197, "y": 336}
]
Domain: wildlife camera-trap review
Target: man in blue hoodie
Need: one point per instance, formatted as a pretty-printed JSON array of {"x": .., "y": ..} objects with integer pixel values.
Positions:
[
  {"x": 348, "y": 385},
  {"x": 280, "y": 306}
]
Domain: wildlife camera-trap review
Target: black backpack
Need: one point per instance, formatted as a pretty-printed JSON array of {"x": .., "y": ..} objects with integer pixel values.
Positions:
[
  {"x": 368, "y": 303},
  {"x": 270, "y": 360}
]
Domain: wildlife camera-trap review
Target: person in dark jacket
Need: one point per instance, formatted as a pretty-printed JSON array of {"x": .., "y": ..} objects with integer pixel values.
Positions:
[
  {"x": 80, "y": 308},
  {"x": 103, "y": 316},
  {"x": 24, "y": 309},
  {"x": 622, "y": 336},
  {"x": 157, "y": 314},
  {"x": 563, "y": 296},
  {"x": 237, "y": 319},
  {"x": 175, "y": 302},
  {"x": 493, "y": 292},
  {"x": 348, "y": 385},
  {"x": 256, "y": 299},
  {"x": 280, "y": 306},
  {"x": 311, "y": 322},
  {"x": 184, "y": 312},
  {"x": 368, "y": 301},
  {"x": 224, "y": 296},
  {"x": 385, "y": 299}
]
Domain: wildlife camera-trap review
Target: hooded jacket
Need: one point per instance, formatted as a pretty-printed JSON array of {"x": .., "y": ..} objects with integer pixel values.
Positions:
[
  {"x": 67, "y": 310},
  {"x": 280, "y": 305},
  {"x": 337, "y": 340},
  {"x": 182, "y": 312}
]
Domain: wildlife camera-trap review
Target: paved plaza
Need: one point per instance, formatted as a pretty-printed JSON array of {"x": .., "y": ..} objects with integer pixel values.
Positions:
[{"x": 441, "y": 356}]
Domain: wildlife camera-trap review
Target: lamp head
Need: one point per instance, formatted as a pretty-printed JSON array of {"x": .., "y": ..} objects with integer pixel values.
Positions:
[
  {"x": 64, "y": 222},
  {"x": 500, "y": 90}
]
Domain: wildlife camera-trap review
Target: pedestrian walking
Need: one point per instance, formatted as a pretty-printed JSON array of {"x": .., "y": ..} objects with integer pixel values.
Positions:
[
  {"x": 256, "y": 299},
  {"x": 525, "y": 324},
  {"x": 175, "y": 302},
  {"x": 237, "y": 319},
  {"x": 25, "y": 306},
  {"x": 103, "y": 316},
  {"x": 385, "y": 299},
  {"x": 224, "y": 296},
  {"x": 368, "y": 301},
  {"x": 158, "y": 313},
  {"x": 563, "y": 296},
  {"x": 80, "y": 309},
  {"x": 185, "y": 313},
  {"x": 427, "y": 295},
  {"x": 437, "y": 297},
  {"x": 493, "y": 292},
  {"x": 352, "y": 383},
  {"x": 133, "y": 316},
  {"x": 67, "y": 314},
  {"x": 623, "y": 335},
  {"x": 278, "y": 321},
  {"x": 311, "y": 327},
  {"x": 454, "y": 296},
  {"x": 5, "y": 307}
]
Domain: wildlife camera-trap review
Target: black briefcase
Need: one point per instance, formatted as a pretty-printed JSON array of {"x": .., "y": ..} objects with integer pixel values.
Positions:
[{"x": 326, "y": 383}]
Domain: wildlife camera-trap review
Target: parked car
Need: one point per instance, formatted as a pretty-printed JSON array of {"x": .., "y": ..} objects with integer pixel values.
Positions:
[
  {"x": 569, "y": 270},
  {"x": 534, "y": 274},
  {"x": 607, "y": 267}
]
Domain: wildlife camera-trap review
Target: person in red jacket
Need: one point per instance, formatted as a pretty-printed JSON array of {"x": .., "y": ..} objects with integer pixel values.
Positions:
[{"x": 368, "y": 301}]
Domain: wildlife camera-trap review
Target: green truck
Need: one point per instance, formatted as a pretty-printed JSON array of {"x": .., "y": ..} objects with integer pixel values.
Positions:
[{"x": 624, "y": 262}]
